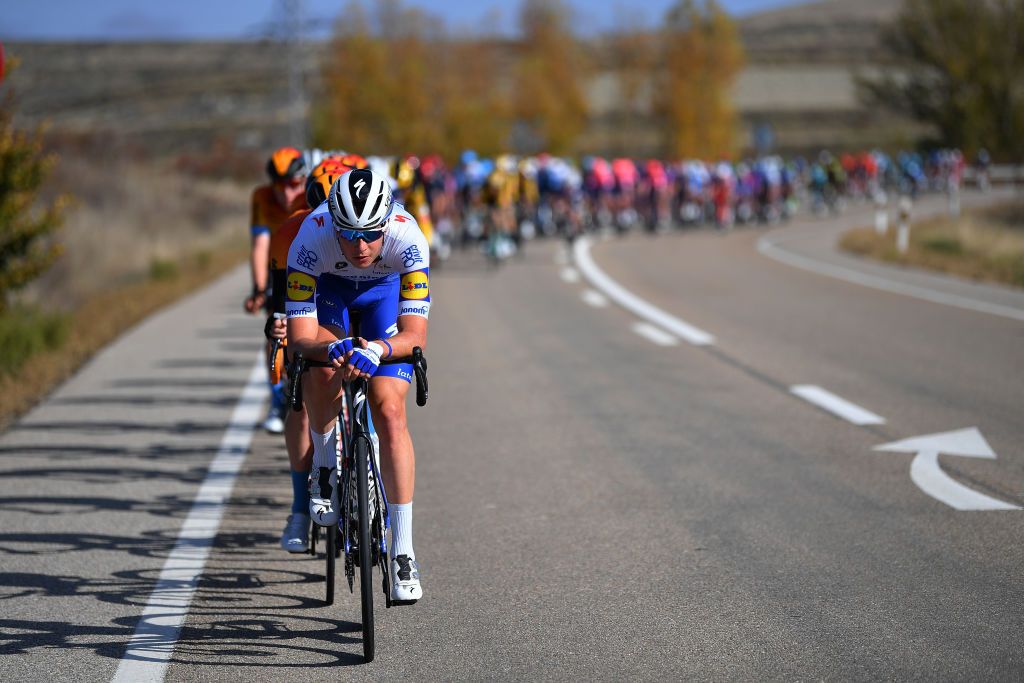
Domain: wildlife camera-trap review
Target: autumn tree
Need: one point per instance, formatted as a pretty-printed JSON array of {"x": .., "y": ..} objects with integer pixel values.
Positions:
[
  {"x": 960, "y": 69},
  {"x": 394, "y": 83},
  {"x": 27, "y": 224},
  {"x": 549, "y": 102},
  {"x": 476, "y": 112},
  {"x": 376, "y": 77},
  {"x": 357, "y": 99},
  {"x": 632, "y": 52},
  {"x": 701, "y": 57}
]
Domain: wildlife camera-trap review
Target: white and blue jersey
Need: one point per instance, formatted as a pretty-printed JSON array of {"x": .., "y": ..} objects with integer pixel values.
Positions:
[{"x": 322, "y": 284}]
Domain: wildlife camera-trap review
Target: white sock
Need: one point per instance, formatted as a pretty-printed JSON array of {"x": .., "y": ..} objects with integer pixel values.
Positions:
[
  {"x": 401, "y": 530},
  {"x": 325, "y": 449}
]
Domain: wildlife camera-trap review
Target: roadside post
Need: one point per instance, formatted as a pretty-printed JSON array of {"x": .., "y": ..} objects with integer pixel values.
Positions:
[
  {"x": 903, "y": 228},
  {"x": 953, "y": 195},
  {"x": 881, "y": 212}
]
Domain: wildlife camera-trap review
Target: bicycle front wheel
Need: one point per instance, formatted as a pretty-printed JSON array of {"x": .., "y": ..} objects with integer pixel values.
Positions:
[{"x": 362, "y": 455}]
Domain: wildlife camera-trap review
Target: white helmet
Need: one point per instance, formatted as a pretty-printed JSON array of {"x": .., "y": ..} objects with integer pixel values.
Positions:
[{"x": 360, "y": 200}]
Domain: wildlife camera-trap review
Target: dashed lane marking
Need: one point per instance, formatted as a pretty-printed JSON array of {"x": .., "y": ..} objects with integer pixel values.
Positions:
[
  {"x": 570, "y": 275},
  {"x": 838, "y": 406},
  {"x": 655, "y": 334},
  {"x": 594, "y": 298},
  {"x": 152, "y": 645}
]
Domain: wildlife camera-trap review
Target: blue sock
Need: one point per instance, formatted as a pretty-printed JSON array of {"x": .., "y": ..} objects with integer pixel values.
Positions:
[
  {"x": 277, "y": 396},
  {"x": 300, "y": 492}
]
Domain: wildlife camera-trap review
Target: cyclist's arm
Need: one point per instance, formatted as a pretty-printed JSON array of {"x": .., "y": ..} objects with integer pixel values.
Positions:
[
  {"x": 259, "y": 255},
  {"x": 304, "y": 334},
  {"x": 412, "y": 332},
  {"x": 259, "y": 259},
  {"x": 306, "y": 337}
]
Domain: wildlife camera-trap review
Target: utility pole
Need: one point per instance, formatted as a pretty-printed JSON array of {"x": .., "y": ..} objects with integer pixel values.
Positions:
[{"x": 292, "y": 18}]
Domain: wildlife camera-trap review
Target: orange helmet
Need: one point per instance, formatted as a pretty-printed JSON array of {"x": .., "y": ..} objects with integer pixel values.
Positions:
[
  {"x": 321, "y": 179},
  {"x": 286, "y": 163},
  {"x": 354, "y": 161}
]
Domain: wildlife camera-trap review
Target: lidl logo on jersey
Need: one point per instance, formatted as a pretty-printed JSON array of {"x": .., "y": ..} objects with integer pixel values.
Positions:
[
  {"x": 300, "y": 286},
  {"x": 415, "y": 285}
]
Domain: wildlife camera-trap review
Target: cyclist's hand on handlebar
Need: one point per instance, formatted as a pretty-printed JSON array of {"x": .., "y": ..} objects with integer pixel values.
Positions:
[
  {"x": 363, "y": 362},
  {"x": 338, "y": 351},
  {"x": 278, "y": 329}
]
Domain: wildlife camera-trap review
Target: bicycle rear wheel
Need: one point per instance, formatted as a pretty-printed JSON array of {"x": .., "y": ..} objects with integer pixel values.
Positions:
[
  {"x": 365, "y": 545},
  {"x": 331, "y": 549}
]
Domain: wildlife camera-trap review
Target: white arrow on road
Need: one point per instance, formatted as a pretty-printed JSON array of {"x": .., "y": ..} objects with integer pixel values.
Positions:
[{"x": 929, "y": 477}]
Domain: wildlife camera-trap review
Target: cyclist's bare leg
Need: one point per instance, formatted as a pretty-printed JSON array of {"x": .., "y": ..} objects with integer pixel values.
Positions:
[
  {"x": 397, "y": 457},
  {"x": 322, "y": 389},
  {"x": 296, "y": 440}
]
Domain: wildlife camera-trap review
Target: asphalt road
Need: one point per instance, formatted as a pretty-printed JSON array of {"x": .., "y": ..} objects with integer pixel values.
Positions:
[{"x": 590, "y": 504}]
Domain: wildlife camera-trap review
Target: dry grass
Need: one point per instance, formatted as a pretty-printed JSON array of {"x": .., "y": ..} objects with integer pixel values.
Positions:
[
  {"x": 139, "y": 236},
  {"x": 96, "y": 322},
  {"x": 983, "y": 244},
  {"x": 128, "y": 216}
]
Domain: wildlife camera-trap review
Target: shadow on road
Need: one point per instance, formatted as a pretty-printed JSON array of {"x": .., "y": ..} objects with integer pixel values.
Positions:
[{"x": 240, "y": 617}]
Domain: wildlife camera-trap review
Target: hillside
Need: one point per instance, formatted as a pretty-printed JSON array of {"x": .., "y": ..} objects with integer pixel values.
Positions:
[
  {"x": 832, "y": 31},
  {"x": 166, "y": 98}
]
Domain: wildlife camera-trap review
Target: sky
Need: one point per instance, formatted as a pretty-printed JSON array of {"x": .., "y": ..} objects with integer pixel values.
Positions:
[{"x": 250, "y": 19}]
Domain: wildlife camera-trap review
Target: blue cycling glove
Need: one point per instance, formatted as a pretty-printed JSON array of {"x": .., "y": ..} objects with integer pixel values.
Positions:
[
  {"x": 337, "y": 350},
  {"x": 366, "y": 360}
]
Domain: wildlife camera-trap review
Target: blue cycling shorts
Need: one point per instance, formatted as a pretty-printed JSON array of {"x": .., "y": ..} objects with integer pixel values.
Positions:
[{"x": 376, "y": 302}]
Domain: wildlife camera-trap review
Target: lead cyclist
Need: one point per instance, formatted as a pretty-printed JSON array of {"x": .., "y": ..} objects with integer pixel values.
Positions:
[{"x": 360, "y": 251}]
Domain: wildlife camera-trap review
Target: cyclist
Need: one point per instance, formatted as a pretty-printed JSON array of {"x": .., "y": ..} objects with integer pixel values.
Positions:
[
  {"x": 500, "y": 194},
  {"x": 360, "y": 252},
  {"x": 272, "y": 204},
  {"x": 295, "y": 537}
]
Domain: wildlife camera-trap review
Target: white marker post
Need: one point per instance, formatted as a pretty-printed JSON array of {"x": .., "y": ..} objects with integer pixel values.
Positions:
[
  {"x": 881, "y": 212},
  {"x": 903, "y": 229},
  {"x": 953, "y": 195}
]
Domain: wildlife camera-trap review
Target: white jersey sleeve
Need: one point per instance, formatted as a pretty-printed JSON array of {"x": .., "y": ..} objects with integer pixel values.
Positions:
[
  {"x": 407, "y": 252},
  {"x": 305, "y": 265}
]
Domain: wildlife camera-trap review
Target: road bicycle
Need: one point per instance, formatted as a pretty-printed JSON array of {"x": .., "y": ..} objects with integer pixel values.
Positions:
[{"x": 363, "y": 518}]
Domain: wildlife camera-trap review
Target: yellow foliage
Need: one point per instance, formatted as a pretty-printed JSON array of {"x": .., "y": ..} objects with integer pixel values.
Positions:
[
  {"x": 548, "y": 97},
  {"x": 702, "y": 56}
]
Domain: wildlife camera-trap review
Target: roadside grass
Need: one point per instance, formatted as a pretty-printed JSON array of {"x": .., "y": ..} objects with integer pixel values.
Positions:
[
  {"x": 139, "y": 235},
  {"x": 984, "y": 244},
  {"x": 39, "y": 349}
]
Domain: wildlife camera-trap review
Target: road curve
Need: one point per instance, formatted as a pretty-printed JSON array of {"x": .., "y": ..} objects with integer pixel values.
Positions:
[{"x": 590, "y": 502}]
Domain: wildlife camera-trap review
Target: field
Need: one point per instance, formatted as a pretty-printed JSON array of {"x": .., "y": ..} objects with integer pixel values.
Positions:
[{"x": 983, "y": 244}]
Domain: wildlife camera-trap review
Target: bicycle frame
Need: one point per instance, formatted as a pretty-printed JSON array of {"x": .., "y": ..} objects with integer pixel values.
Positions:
[{"x": 359, "y": 429}]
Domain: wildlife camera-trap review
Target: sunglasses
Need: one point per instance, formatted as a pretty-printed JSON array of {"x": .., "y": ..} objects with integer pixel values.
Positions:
[{"x": 365, "y": 235}]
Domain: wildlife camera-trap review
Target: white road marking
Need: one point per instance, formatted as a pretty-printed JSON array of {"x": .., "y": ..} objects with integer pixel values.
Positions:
[
  {"x": 628, "y": 300},
  {"x": 929, "y": 476},
  {"x": 773, "y": 250},
  {"x": 655, "y": 334},
  {"x": 838, "y": 406},
  {"x": 570, "y": 275},
  {"x": 594, "y": 298},
  {"x": 152, "y": 645}
]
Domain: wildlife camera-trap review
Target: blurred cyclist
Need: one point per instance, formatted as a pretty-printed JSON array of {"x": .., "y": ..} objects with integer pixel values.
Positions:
[{"x": 272, "y": 204}]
